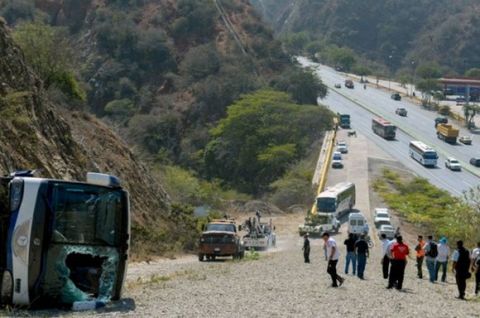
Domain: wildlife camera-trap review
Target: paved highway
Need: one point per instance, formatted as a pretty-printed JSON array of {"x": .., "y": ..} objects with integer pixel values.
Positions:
[{"x": 362, "y": 104}]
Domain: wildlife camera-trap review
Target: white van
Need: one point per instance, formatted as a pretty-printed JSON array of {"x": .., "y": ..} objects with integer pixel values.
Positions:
[{"x": 357, "y": 224}]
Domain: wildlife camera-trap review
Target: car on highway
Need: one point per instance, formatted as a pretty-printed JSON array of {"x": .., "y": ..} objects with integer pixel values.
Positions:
[
  {"x": 441, "y": 120},
  {"x": 475, "y": 162},
  {"x": 453, "y": 164},
  {"x": 401, "y": 112},
  {"x": 342, "y": 147},
  {"x": 387, "y": 230},
  {"x": 337, "y": 164},
  {"x": 396, "y": 96},
  {"x": 338, "y": 85},
  {"x": 466, "y": 140},
  {"x": 337, "y": 155},
  {"x": 381, "y": 217}
]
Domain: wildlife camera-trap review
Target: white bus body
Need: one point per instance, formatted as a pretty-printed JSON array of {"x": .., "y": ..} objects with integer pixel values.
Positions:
[
  {"x": 337, "y": 199},
  {"x": 424, "y": 154}
]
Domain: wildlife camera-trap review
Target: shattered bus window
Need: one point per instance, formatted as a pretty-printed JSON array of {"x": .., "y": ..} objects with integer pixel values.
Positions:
[{"x": 82, "y": 260}]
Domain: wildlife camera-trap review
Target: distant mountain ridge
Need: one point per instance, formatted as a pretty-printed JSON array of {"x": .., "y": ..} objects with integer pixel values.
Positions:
[{"x": 393, "y": 32}]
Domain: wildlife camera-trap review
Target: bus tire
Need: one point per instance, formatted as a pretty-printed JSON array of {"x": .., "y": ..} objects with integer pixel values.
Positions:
[{"x": 201, "y": 257}]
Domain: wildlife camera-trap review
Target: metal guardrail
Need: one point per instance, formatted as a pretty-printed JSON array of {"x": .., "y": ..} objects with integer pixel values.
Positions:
[{"x": 320, "y": 177}]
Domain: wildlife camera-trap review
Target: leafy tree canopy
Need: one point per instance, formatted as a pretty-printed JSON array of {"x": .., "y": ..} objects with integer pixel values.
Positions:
[{"x": 262, "y": 135}]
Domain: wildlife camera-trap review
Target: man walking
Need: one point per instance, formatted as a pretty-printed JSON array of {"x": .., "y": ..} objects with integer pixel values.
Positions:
[
  {"x": 431, "y": 253},
  {"x": 399, "y": 252},
  {"x": 461, "y": 265},
  {"x": 306, "y": 248},
  {"x": 476, "y": 267},
  {"x": 332, "y": 256},
  {"x": 420, "y": 249},
  {"x": 442, "y": 259},
  {"x": 385, "y": 258},
  {"x": 361, "y": 249},
  {"x": 351, "y": 257}
]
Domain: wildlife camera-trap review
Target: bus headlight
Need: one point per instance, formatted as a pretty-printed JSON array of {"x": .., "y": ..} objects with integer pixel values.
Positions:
[
  {"x": 20, "y": 241},
  {"x": 16, "y": 194}
]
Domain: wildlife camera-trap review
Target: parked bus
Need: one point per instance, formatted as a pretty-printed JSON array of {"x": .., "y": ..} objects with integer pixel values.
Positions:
[
  {"x": 384, "y": 128},
  {"x": 337, "y": 199},
  {"x": 62, "y": 241},
  {"x": 424, "y": 154}
]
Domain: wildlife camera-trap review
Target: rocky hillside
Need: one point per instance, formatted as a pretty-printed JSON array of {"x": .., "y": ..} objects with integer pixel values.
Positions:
[
  {"x": 428, "y": 30},
  {"x": 36, "y": 134}
]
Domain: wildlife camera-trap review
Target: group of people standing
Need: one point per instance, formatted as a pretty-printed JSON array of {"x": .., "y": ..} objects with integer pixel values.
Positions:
[
  {"x": 436, "y": 256},
  {"x": 394, "y": 260}
]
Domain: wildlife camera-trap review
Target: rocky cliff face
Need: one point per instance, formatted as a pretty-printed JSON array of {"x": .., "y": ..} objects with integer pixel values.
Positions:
[{"x": 34, "y": 134}]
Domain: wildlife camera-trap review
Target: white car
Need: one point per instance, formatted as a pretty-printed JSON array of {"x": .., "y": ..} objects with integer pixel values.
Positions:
[
  {"x": 382, "y": 217},
  {"x": 342, "y": 147},
  {"x": 453, "y": 164},
  {"x": 387, "y": 230}
]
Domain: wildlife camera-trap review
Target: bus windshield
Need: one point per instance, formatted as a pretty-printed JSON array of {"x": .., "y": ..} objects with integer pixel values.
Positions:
[
  {"x": 390, "y": 129},
  {"x": 87, "y": 214},
  {"x": 430, "y": 155},
  {"x": 326, "y": 204}
]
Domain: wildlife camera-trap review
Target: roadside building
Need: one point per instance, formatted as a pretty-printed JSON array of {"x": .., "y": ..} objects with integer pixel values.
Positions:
[{"x": 461, "y": 87}]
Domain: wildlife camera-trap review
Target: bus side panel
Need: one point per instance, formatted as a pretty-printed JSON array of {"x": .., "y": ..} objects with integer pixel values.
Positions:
[{"x": 20, "y": 242}]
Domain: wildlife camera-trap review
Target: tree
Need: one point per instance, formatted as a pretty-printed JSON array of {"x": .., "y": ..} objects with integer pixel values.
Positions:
[
  {"x": 341, "y": 57},
  {"x": 303, "y": 85},
  {"x": 361, "y": 70},
  {"x": 50, "y": 55},
  {"x": 473, "y": 73},
  {"x": 428, "y": 88},
  {"x": 429, "y": 70},
  {"x": 470, "y": 111},
  {"x": 262, "y": 135},
  {"x": 200, "y": 62}
]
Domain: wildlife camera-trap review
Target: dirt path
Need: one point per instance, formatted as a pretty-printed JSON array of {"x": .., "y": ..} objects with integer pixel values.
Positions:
[{"x": 279, "y": 284}]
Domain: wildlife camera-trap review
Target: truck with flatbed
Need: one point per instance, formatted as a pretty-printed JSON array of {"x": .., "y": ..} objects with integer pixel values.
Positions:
[
  {"x": 447, "y": 133},
  {"x": 220, "y": 238},
  {"x": 318, "y": 223}
]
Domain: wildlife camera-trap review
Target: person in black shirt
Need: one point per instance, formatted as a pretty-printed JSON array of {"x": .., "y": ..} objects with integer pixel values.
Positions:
[
  {"x": 351, "y": 257},
  {"x": 461, "y": 266},
  {"x": 306, "y": 248},
  {"x": 361, "y": 249}
]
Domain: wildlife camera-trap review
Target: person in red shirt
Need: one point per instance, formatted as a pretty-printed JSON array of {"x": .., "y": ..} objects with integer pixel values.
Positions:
[{"x": 399, "y": 252}]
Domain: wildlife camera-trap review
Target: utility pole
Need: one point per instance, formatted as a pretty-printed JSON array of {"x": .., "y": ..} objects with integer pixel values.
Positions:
[{"x": 389, "y": 70}]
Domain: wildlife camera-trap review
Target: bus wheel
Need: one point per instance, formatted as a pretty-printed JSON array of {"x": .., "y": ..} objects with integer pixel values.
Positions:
[{"x": 200, "y": 257}]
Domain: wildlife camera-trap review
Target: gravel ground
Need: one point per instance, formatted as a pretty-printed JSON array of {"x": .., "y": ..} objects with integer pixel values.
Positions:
[{"x": 279, "y": 284}]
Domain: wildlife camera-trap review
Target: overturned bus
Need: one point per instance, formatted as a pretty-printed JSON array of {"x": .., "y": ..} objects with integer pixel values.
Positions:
[{"x": 61, "y": 241}]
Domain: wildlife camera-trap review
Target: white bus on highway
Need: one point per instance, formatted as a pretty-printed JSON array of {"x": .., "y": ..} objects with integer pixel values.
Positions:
[
  {"x": 424, "y": 154},
  {"x": 337, "y": 199}
]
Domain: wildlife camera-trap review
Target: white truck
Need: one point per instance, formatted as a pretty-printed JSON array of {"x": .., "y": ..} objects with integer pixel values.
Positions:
[{"x": 316, "y": 224}]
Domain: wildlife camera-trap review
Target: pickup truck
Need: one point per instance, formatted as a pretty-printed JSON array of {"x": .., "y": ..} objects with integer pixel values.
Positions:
[
  {"x": 260, "y": 237},
  {"x": 220, "y": 238}
]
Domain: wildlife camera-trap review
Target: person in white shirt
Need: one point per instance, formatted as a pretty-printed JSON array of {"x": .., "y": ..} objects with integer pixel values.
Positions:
[
  {"x": 333, "y": 254},
  {"x": 442, "y": 259},
  {"x": 385, "y": 258},
  {"x": 475, "y": 264}
]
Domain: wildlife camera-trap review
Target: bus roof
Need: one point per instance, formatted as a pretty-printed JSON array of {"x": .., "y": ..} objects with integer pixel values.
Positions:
[
  {"x": 331, "y": 192},
  {"x": 383, "y": 121},
  {"x": 421, "y": 146}
]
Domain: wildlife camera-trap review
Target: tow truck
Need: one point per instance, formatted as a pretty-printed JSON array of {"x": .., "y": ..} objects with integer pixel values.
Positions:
[{"x": 260, "y": 236}]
